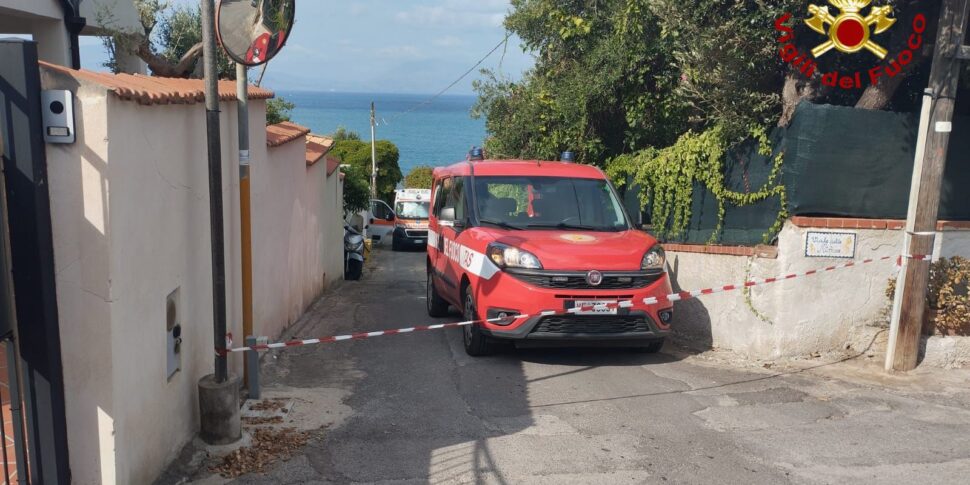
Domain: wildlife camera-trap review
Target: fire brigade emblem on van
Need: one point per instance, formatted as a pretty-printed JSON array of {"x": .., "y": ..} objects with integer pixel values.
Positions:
[
  {"x": 594, "y": 278},
  {"x": 850, "y": 32},
  {"x": 578, "y": 238}
]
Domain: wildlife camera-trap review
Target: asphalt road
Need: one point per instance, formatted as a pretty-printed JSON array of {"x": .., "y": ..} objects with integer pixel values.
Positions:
[{"x": 415, "y": 409}]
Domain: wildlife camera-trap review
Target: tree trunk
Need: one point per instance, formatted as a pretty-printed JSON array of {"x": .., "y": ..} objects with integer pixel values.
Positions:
[
  {"x": 795, "y": 90},
  {"x": 162, "y": 67},
  {"x": 878, "y": 96}
]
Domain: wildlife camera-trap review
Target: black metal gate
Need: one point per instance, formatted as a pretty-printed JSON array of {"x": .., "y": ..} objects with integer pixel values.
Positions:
[{"x": 33, "y": 397}]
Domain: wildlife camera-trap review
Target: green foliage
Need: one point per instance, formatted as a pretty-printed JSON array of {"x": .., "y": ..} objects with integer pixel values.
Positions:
[
  {"x": 598, "y": 88},
  {"x": 727, "y": 53},
  {"x": 278, "y": 110},
  {"x": 357, "y": 153},
  {"x": 749, "y": 300},
  {"x": 179, "y": 29},
  {"x": 343, "y": 133},
  {"x": 356, "y": 190},
  {"x": 947, "y": 297},
  {"x": 419, "y": 177},
  {"x": 668, "y": 176},
  {"x": 168, "y": 35}
]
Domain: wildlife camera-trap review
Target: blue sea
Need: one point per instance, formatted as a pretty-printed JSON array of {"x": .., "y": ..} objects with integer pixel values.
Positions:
[{"x": 436, "y": 134}]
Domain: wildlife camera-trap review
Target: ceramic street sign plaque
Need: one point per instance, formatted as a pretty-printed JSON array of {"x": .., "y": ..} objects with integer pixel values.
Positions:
[{"x": 830, "y": 244}]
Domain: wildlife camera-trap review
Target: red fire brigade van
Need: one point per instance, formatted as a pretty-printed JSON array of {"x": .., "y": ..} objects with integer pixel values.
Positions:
[{"x": 524, "y": 238}]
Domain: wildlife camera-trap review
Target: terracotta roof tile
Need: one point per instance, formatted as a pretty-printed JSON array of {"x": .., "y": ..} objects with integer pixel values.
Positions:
[
  {"x": 333, "y": 163},
  {"x": 151, "y": 90},
  {"x": 316, "y": 147},
  {"x": 283, "y": 133}
]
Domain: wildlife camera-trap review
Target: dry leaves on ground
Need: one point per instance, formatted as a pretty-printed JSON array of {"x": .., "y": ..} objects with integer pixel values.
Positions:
[
  {"x": 269, "y": 405},
  {"x": 261, "y": 420},
  {"x": 269, "y": 446}
]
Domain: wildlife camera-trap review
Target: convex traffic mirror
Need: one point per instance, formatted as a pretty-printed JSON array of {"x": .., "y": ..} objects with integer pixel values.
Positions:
[{"x": 253, "y": 31}]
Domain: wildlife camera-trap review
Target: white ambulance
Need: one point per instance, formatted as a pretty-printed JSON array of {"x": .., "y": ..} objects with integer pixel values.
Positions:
[{"x": 411, "y": 208}]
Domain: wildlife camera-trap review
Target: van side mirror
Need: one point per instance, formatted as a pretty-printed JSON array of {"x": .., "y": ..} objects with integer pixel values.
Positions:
[{"x": 390, "y": 217}]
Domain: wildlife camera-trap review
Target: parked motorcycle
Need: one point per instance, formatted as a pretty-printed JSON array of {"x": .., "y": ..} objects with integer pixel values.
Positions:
[{"x": 353, "y": 253}]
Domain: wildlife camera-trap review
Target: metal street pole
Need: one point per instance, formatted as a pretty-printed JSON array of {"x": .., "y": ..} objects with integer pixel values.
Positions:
[
  {"x": 215, "y": 188},
  {"x": 924, "y": 200}
]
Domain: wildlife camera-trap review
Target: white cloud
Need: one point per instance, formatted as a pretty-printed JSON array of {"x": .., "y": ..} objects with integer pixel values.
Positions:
[
  {"x": 456, "y": 13},
  {"x": 358, "y": 10},
  {"x": 400, "y": 52},
  {"x": 449, "y": 41}
]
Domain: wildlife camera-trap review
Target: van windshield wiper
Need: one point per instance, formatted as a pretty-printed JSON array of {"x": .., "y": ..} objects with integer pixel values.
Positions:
[
  {"x": 503, "y": 225},
  {"x": 565, "y": 225}
]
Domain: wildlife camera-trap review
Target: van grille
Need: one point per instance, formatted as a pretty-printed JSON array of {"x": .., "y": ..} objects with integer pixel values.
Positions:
[
  {"x": 591, "y": 325},
  {"x": 577, "y": 280}
]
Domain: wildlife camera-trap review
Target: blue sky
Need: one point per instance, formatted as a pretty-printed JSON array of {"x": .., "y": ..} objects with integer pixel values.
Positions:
[{"x": 392, "y": 46}]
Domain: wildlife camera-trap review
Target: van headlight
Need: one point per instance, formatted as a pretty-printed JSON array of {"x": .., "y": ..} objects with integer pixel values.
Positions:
[
  {"x": 511, "y": 257},
  {"x": 654, "y": 259}
]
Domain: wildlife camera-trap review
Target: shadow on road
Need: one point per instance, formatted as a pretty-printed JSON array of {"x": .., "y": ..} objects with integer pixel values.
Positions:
[
  {"x": 767, "y": 377},
  {"x": 692, "y": 321}
]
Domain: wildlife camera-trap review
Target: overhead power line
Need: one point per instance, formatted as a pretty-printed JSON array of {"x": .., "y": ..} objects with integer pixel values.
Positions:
[{"x": 432, "y": 99}]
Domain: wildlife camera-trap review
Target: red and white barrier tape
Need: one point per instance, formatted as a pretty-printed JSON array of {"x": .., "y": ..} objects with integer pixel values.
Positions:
[{"x": 673, "y": 297}]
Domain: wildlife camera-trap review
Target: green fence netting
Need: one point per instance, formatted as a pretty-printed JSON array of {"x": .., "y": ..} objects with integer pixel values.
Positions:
[{"x": 840, "y": 162}]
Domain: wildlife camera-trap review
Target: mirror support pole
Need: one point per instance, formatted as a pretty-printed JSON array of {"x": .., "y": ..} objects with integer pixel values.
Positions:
[
  {"x": 220, "y": 422},
  {"x": 215, "y": 188}
]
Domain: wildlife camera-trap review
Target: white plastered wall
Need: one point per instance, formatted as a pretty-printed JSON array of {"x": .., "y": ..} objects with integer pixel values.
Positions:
[
  {"x": 297, "y": 235},
  {"x": 130, "y": 217},
  {"x": 808, "y": 314}
]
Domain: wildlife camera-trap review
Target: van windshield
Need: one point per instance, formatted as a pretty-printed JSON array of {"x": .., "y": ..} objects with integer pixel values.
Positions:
[
  {"x": 526, "y": 202},
  {"x": 412, "y": 210}
]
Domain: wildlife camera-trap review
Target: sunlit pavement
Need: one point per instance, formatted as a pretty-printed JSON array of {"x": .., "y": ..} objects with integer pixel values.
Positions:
[{"x": 415, "y": 409}]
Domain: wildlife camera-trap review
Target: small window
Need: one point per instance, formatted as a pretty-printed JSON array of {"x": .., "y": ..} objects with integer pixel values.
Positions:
[
  {"x": 441, "y": 195},
  {"x": 456, "y": 199}
]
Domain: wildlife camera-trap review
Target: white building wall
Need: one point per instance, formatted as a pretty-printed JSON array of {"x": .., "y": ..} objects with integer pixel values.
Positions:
[
  {"x": 278, "y": 219},
  {"x": 324, "y": 242},
  {"x": 130, "y": 212},
  {"x": 332, "y": 201},
  {"x": 160, "y": 242},
  {"x": 804, "y": 315},
  {"x": 44, "y": 21},
  {"x": 80, "y": 191},
  {"x": 50, "y": 9},
  {"x": 297, "y": 235},
  {"x": 130, "y": 217}
]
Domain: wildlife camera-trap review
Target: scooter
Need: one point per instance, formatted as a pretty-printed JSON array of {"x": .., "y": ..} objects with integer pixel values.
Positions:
[{"x": 353, "y": 253}]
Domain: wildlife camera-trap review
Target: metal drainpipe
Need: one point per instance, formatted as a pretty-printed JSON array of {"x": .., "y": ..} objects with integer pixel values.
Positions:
[{"x": 74, "y": 24}]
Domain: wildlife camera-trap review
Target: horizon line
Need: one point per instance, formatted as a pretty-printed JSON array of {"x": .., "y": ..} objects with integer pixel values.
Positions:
[{"x": 337, "y": 91}]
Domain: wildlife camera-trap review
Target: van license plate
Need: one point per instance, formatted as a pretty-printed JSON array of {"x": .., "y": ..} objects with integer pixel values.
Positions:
[
  {"x": 419, "y": 241},
  {"x": 590, "y": 304}
]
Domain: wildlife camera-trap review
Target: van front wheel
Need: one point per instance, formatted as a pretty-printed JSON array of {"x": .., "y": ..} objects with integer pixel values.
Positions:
[{"x": 477, "y": 344}]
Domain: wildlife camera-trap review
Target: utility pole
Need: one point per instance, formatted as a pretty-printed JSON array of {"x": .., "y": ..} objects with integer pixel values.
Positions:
[
  {"x": 924, "y": 200},
  {"x": 373, "y": 153}
]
